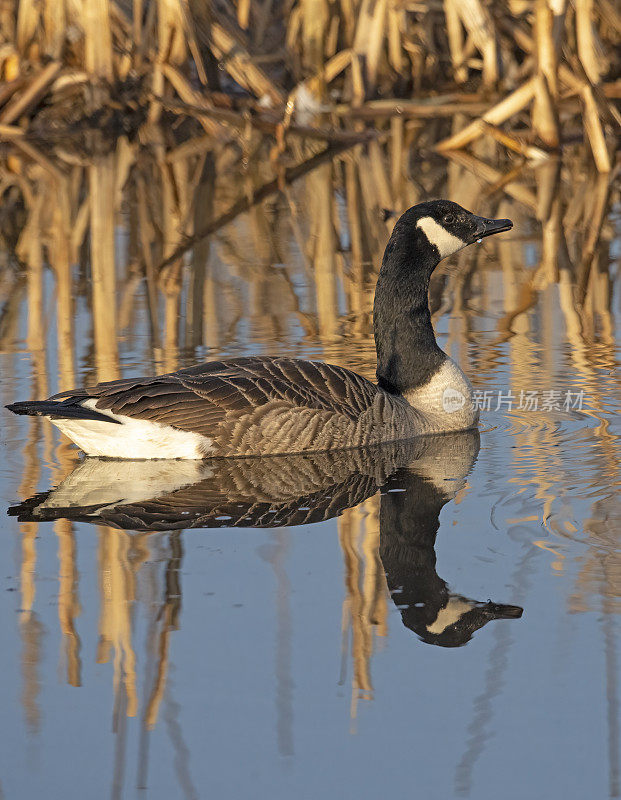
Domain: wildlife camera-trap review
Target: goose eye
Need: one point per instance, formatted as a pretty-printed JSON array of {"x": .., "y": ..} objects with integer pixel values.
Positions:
[{"x": 449, "y": 219}]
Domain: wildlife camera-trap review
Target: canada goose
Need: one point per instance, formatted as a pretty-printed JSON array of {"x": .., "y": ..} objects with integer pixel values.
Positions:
[
  {"x": 266, "y": 406},
  {"x": 416, "y": 478}
]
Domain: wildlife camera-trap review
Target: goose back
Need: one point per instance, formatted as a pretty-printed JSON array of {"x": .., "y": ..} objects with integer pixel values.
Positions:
[{"x": 255, "y": 406}]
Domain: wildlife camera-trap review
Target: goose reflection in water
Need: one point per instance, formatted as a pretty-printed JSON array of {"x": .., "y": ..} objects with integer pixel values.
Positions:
[{"x": 415, "y": 479}]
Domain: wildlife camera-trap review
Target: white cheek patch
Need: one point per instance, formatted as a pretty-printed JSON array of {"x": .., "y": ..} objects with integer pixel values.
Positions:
[
  {"x": 440, "y": 237},
  {"x": 450, "y": 614}
]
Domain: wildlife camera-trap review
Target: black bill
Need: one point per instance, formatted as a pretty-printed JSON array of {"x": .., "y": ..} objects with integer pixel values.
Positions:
[
  {"x": 488, "y": 227},
  {"x": 502, "y": 611}
]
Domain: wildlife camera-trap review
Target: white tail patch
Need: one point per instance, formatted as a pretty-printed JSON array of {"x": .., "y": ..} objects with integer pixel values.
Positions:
[
  {"x": 133, "y": 438},
  {"x": 97, "y": 482},
  {"x": 446, "y": 243}
]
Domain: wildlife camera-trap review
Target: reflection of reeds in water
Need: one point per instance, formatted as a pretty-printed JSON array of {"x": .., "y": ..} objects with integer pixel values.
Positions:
[
  {"x": 176, "y": 195},
  {"x": 117, "y": 578},
  {"x": 178, "y": 192},
  {"x": 494, "y": 677},
  {"x": 68, "y": 579},
  {"x": 323, "y": 259},
  {"x": 68, "y": 601},
  {"x": 560, "y": 264},
  {"x": 279, "y": 252},
  {"x": 30, "y": 626},
  {"x": 365, "y": 610},
  {"x": 600, "y": 566},
  {"x": 165, "y": 621}
]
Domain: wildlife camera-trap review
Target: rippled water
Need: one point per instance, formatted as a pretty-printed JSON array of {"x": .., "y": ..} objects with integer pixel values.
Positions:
[{"x": 343, "y": 626}]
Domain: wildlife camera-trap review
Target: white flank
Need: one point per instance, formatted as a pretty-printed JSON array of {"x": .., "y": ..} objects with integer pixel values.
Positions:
[
  {"x": 452, "y": 611},
  {"x": 133, "y": 438},
  {"x": 446, "y": 243}
]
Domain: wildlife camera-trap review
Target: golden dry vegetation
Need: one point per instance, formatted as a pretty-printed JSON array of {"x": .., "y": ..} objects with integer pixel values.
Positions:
[
  {"x": 246, "y": 150},
  {"x": 531, "y": 74}
]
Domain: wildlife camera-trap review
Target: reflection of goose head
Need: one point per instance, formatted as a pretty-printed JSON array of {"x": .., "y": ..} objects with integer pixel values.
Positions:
[
  {"x": 409, "y": 520},
  {"x": 460, "y": 618}
]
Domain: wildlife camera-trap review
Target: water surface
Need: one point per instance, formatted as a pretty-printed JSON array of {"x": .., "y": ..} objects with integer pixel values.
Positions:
[{"x": 306, "y": 633}]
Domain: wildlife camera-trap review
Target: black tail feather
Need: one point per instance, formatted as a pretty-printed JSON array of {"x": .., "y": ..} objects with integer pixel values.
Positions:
[
  {"x": 32, "y": 510},
  {"x": 67, "y": 409}
]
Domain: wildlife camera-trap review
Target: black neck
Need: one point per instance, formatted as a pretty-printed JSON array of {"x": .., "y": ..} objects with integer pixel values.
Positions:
[
  {"x": 407, "y": 352},
  {"x": 409, "y": 522}
]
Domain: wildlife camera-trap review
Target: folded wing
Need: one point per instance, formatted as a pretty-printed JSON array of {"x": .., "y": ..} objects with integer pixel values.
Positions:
[{"x": 215, "y": 398}]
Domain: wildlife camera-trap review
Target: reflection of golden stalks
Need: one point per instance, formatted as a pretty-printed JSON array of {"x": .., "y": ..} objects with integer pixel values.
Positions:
[
  {"x": 117, "y": 589},
  {"x": 365, "y": 604},
  {"x": 251, "y": 267}
]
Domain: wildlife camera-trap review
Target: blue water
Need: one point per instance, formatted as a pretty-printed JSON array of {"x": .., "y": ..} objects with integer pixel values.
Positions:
[{"x": 251, "y": 662}]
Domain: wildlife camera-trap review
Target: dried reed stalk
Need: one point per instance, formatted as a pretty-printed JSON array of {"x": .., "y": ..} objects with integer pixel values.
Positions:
[
  {"x": 27, "y": 23},
  {"x": 10, "y": 132},
  {"x": 478, "y": 22},
  {"x": 239, "y": 64},
  {"x": 426, "y": 108},
  {"x": 171, "y": 32},
  {"x": 496, "y": 115},
  {"x": 455, "y": 35},
  {"x": 396, "y": 156},
  {"x": 585, "y": 40},
  {"x": 11, "y": 85},
  {"x": 314, "y": 22},
  {"x": 491, "y": 175},
  {"x": 31, "y": 95},
  {"x": 373, "y": 50},
  {"x": 97, "y": 39},
  {"x": 331, "y": 69},
  {"x": 103, "y": 270},
  {"x": 592, "y": 120},
  {"x": 517, "y": 145},
  {"x": 192, "y": 97},
  {"x": 594, "y": 132},
  {"x": 544, "y": 114}
]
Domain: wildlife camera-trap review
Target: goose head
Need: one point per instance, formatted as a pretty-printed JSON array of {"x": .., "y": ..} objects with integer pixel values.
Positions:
[
  {"x": 408, "y": 356},
  {"x": 439, "y": 228}
]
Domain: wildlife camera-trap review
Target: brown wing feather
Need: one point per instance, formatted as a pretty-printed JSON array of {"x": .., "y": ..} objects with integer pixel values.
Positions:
[{"x": 203, "y": 397}]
